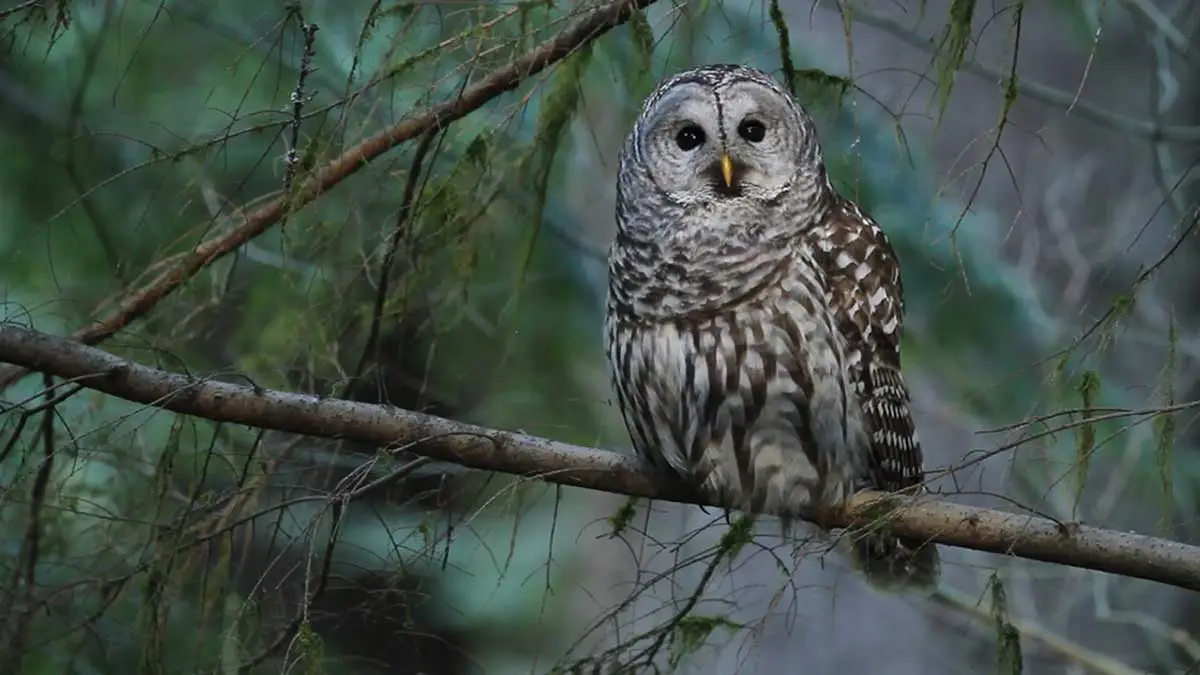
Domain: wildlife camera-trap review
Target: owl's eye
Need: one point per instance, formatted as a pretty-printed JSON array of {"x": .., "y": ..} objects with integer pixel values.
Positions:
[
  {"x": 752, "y": 130},
  {"x": 689, "y": 138}
]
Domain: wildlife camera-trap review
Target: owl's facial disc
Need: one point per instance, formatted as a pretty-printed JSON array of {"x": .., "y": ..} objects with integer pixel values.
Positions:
[{"x": 739, "y": 140}]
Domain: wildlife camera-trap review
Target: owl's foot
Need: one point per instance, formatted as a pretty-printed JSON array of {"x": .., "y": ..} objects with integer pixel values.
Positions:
[{"x": 896, "y": 565}]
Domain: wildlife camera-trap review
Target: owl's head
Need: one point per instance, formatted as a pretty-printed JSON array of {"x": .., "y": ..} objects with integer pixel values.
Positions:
[{"x": 722, "y": 132}]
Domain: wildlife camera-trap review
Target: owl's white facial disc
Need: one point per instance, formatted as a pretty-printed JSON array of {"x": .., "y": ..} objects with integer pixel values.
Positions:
[{"x": 684, "y": 133}]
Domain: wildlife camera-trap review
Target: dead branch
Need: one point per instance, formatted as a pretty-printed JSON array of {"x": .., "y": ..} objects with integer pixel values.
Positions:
[
  {"x": 140, "y": 301},
  {"x": 1026, "y": 536}
]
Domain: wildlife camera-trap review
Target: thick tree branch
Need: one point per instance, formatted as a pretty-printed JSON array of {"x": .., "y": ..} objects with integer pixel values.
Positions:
[
  {"x": 1026, "y": 536},
  {"x": 138, "y": 302}
]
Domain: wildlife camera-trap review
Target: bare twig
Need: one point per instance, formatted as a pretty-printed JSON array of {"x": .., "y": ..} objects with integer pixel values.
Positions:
[
  {"x": 1067, "y": 650},
  {"x": 1044, "y": 93},
  {"x": 300, "y": 96},
  {"x": 140, "y": 301},
  {"x": 27, "y": 6},
  {"x": 24, "y": 580},
  {"x": 477, "y": 447},
  {"x": 371, "y": 348}
]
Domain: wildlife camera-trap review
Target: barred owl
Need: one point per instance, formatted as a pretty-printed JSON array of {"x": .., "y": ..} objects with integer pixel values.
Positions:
[{"x": 754, "y": 314}]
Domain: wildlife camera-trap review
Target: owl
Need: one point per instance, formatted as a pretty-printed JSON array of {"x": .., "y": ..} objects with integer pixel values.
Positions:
[{"x": 754, "y": 315}]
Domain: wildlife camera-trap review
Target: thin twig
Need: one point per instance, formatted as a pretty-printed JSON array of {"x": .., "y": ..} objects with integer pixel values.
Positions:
[
  {"x": 27, "y": 6},
  {"x": 1130, "y": 126},
  {"x": 299, "y": 97},
  {"x": 370, "y": 349},
  {"x": 24, "y": 580},
  {"x": 1065, "y": 649}
]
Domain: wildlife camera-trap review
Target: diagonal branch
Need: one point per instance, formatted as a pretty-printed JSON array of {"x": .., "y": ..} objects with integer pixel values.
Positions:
[
  {"x": 477, "y": 447},
  {"x": 137, "y": 303}
]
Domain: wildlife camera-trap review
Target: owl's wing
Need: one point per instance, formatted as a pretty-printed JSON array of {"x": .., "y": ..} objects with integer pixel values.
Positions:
[{"x": 868, "y": 299}]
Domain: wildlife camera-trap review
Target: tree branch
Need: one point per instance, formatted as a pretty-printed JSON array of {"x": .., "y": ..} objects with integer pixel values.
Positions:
[
  {"x": 477, "y": 447},
  {"x": 137, "y": 303}
]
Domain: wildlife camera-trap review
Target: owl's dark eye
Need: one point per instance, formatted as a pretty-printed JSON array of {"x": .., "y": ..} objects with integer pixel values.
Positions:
[
  {"x": 752, "y": 130},
  {"x": 689, "y": 138}
]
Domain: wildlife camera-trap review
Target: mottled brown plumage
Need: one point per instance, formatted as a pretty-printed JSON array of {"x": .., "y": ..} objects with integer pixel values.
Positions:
[
  {"x": 754, "y": 314},
  {"x": 868, "y": 299}
]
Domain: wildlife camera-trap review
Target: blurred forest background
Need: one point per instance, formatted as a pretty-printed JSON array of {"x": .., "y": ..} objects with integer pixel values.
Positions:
[{"x": 1032, "y": 162}]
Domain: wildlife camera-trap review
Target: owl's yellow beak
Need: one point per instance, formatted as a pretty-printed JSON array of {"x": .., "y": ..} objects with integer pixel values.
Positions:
[{"x": 727, "y": 169}]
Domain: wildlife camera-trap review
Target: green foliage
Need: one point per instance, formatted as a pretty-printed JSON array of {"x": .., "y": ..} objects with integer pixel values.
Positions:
[
  {"x": 693, "y": 631},
  {"x": 621, "y": 520},
  {"x": 740, "y": 533},
  {"x": 953, "y": 48}
]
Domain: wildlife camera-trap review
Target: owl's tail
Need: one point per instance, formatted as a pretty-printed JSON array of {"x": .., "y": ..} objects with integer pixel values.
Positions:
[{"x": 896, "y": 565}]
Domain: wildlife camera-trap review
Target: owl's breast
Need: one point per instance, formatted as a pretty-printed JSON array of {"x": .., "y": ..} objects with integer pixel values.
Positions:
[
  {"x": 659, "y": 390},
  {"x": 737, "y": 401}
]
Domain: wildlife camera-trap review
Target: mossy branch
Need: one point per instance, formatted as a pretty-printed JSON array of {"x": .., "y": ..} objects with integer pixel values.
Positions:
[
  {"x": 139, "y": 301},
  {"x": 1022, "y": 535}
]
